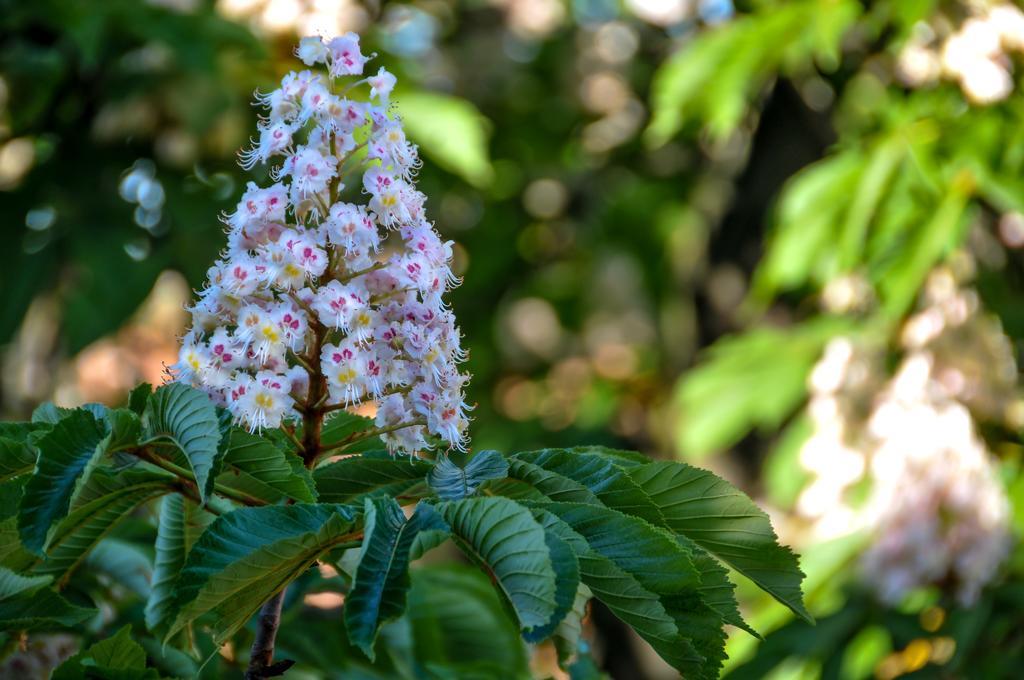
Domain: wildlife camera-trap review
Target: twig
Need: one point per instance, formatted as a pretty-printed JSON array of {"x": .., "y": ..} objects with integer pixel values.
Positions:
[{"x": 261, "y": 656}]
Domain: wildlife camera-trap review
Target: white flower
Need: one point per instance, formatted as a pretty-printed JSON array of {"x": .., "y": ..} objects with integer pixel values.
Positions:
[
  {"x": 311, "y": 50},
  {"x": 302, "y": 270},
  {"x": 344, "y": 57},
  {"x": 382, "y": 84}
]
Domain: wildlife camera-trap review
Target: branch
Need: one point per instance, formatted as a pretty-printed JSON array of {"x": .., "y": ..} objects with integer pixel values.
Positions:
[
  {"x": 261, "y": 656},
  {"x": 363, "y": 435},
  {"x": 187, "y": 475}
]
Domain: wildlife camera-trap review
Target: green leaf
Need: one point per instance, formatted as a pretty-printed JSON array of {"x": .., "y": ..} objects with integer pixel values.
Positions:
[
  {"x": 567, "y": 568},
  {"x": 138, "y": 397},
  {"x": 382, "y": 577},
  {"x": 458, "y": 620},
  {"x": 554, "y": 485},
  {"x": 118, "y": 657},
  {"x": 49, "y": 413},
  {"x": 630, "y": 601},
  {"x": 186, "y": 417},
  {"x": 180, "y": 524},
  {"x": 13, "y": 583},
  {"x": 41, "y": 610},
  {"x": 722, "y": 520},
  {"x": 454, "y": 480},
  {"x": 602, "y": 475},
  {"x": 650, "y": 553},
  {"x": 16, "y": 458},
  {"x": 450, "y": 130},
  {"x": 505, "y": 539},
  {"x": 716, "y": 590},
  {"x": 344, "y": 426},
  {"x": 659, "y": 563},
  {"x": 125, "y": 428},
  {"x": 258, "y": 468},
  {"x": 569, "y": 631},
  {"x": 64, "y": 453},
  {"x": 105, "y": 499},
  {"x": 371, "y": 474},
  {"x": 247, "y": 556}
]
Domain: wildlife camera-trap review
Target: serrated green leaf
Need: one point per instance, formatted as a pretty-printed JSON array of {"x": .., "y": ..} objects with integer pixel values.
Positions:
[
  {"x": 567, "y": 568},
  {"x": 138, "y": 397},
  {"x": 372, "y": 474},
  {"x": 181, "y": 522},
  {"x": 569, "y": 631},
  {"x": 247, "y": 556},
  {"x": 458, "y": 620},
  {"x": 258, "y": 468},
  {"x": 553, "y": 485},
  {"x": 49, "y": 413},
  {"x": 453, "y": 481},
  {"x": 125, "y": 429},
  {"x": 16, "y": 459},
  {"x": 13, "y": 583},
  {"x": 344, "y": 426},
  {"x": 105, "y": 499},
  {"x": 381, "y": 580},
  {"x": 118, "y": 657},
  {"x": 631, "y": 602},
  {"x": 602, "y": 475},
  {"x": 505, "y": 539},
  {"x": 721, "y": 519},
  {"x": 660, "y": 564},
  {"x": 716, "y": 590},
  {"x": 64, "y": 454},
  {"x": 41, "y": 610},
  {"x": 187, "y": 418}
]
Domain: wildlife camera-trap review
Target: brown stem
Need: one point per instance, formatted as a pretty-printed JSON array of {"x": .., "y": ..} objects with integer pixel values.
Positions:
[
  {"x": 313, "y": 415},
  {"x": 261, "y": 658}
]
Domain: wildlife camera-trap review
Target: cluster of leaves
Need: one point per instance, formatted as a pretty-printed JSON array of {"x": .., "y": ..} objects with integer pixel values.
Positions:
[{"x": 241, "y": 518}]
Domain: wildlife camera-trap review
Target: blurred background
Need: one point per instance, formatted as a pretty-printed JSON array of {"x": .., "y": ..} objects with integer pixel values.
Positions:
[{"x": 780, "y": 240}]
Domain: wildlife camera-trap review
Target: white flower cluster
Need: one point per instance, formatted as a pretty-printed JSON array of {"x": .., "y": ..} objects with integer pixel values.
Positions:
[
  {"x": 321, "y": 302},
  {"x": 976, "y": 55},
  {"x": 936, "y": 508}
]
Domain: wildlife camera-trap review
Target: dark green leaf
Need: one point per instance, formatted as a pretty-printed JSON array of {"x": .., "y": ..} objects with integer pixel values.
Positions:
[
  {"x": 371, "y": 474},
  {"x": 64, "y": 453},
  {"x": 49, "y": 413},
  {"x": 118, "y": 657},
  {"x": 258, "y": 468},
  {"x": 104, "y": 500},
  {"x": 504, "y": 538},
  {"x": 602, "y": 475},
  {"x": 13, "y": 583},
  {"x": 16, "y": 459},
  {"x": 563, "y": 559},
  {"x": 41, "y": 610},
  {"x": 186, "y": 417},
  {"x": 452, "y": 481},
  {"x": 138, "y": 397},
  {"x": 247, "y": 556},
  {"x": 623, "y": 594},
  {"x": 724, "y": 521},
  {"x": 382, "y": 578},
  {"x": 457, "y": 619},
  {"x": 181, "y": 522}
]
